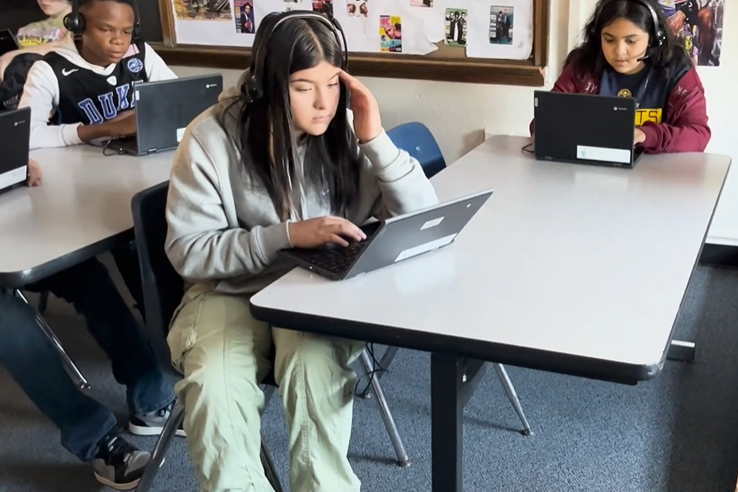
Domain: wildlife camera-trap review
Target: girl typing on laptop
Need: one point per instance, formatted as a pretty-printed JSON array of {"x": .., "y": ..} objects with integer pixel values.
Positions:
[
  {"x": 628, "y": 50},
  {"x": 82, "y": 91},
  {"x": 279, "y": 162}
]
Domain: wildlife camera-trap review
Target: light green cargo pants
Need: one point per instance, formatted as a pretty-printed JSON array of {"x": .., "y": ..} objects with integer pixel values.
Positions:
[{"x": 223, "y": 354}]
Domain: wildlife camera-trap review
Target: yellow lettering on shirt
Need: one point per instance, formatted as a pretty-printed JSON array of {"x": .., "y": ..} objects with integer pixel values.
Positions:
[
  {"x": 648, "y": 116},
  {"x": 30, "y": 41}
]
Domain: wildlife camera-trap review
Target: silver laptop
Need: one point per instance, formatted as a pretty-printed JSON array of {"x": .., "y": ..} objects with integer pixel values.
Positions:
[
  {"x": 15, "y": 135},
  {"x": 393, "y": 240},
  {"x": 163, "y": 111}
]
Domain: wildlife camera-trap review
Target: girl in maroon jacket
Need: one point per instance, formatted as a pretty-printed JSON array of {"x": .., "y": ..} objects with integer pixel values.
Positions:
[{"x": 629, "y": 51}]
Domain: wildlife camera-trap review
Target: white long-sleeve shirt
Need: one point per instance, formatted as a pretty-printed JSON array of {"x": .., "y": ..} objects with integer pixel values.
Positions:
[{"x": 41, "y": 93}]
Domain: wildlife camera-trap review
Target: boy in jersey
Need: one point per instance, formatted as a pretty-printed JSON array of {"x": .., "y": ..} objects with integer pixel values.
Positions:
[{"x": 82, "y": 92}]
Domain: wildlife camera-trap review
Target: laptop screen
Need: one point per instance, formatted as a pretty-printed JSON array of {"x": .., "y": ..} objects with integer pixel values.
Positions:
[{"x": 7, "y": 41}]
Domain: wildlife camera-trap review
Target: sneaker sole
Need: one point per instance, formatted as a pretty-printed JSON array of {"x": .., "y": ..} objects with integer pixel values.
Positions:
[
  {"x": 138, "y": 430},
  {"x": 117, "y": 486}
]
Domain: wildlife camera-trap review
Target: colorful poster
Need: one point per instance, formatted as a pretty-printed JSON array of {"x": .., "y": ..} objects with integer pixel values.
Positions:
[
  {"x": 323, "y": 6},
  {"x": 358, "y": 8},
  {"x": 501, "y": 25},
  {"x": 699, "y": 23},
  {"x": 202, "y": 9},
  {"x": 390, "y": 33},
  {"x": 245, "y": 23},
  {"x": 456, "y": 27}
]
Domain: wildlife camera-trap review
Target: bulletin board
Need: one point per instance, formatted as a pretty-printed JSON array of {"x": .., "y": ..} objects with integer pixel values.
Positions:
[{"x": 476, "y": 41}]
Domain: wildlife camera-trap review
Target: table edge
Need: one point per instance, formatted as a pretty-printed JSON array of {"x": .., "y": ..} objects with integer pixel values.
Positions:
[
  {"x": 572, "y": 365},
  {"x": 19, "y": 279}
]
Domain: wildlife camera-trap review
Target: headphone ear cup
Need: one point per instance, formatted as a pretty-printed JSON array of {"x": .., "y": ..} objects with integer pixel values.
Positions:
[
  {"x": 250, "y": 90},
  {"x": 74, "y": 23},
  {"x": 70, "y": 23}
]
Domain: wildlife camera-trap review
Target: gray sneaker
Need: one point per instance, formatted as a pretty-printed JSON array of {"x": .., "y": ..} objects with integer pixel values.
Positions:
[
  {"x": 119, "y": 464},
  {"x": 151, "y": 424}
]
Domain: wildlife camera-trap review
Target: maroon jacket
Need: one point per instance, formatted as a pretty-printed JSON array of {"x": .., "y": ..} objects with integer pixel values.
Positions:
[{"x": 685, "y": 126}]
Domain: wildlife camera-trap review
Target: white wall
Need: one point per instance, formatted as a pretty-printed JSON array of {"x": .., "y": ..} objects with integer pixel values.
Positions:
[{"x": 460, "y": 115}]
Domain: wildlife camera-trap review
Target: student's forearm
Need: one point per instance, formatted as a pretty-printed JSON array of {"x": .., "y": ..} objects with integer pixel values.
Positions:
[{"x": 88, "y": 133}]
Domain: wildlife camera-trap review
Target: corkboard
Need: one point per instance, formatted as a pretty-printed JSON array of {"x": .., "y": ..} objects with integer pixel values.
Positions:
[{"x": 448, "y": 63}]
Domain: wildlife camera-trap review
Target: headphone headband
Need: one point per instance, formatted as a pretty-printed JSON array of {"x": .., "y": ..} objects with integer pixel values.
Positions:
[
  {"x": 657, "y": 35},
  {"x": 253, "y": 87},
  {"x": 74, "y": 21}
]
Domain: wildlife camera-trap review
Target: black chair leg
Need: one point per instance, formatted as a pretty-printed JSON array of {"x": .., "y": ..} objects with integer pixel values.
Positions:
[
  {"x": 160, "y": 450},
  {"x": 43, "y": 301}
]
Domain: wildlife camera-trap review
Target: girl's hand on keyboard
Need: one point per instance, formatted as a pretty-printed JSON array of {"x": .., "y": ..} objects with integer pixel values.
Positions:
[{"x": 323, "y": 230}]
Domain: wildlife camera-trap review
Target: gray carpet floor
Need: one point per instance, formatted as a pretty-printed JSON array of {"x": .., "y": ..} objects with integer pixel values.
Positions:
[{"x": 677, "y": 433}]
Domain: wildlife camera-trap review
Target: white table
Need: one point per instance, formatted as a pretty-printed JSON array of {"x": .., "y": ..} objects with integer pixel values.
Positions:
[
  {"x": 82, "y": 209},
  {"x": 568, "y": 268}
]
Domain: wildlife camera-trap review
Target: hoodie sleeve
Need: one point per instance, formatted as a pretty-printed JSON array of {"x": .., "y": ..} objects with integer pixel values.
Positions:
[
  {"x": 155, "y": 67},
  {"x": 686, "y": 128},
  {"x": 401, "y": 182},
  {"x": 567, "y": 83},
  {"x": 201, "y": 244},
  {"x": 41, "y": 94}
]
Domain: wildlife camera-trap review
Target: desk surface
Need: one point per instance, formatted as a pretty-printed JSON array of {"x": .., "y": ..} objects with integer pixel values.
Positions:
[
  {"x": 83, "y": 203},
  {"x": 567, "y": 268}
]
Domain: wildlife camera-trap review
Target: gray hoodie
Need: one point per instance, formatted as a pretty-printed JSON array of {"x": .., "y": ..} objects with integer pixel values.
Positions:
[{"x": 224, "y": 231}]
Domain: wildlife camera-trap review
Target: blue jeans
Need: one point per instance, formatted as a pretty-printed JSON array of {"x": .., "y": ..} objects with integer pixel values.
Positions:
[{"x": 35, "y": 365}]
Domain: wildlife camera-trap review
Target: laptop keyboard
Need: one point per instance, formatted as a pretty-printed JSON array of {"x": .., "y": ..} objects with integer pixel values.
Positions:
[{"x": 334, "y": 258}]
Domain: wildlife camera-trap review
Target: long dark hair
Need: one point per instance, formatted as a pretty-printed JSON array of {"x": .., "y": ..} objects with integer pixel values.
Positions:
[
  {"x": 264, "y": 127},
  {"x": 588, "y": 55}
]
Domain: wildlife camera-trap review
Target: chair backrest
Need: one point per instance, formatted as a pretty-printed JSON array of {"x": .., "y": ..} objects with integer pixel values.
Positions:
[
  {"x": 162, "y": 286},
  {"x": 418, "y": 141}
]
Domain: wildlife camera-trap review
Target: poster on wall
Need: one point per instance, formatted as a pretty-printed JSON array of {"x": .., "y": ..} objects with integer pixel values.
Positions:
[
  {"x": 386, "y": 26},
  {"x": 202, "y": 9},
  {"x": 225, "y": 22},
  {"x": 501, "y": 29},
  {"x": 699, "y": 24}
]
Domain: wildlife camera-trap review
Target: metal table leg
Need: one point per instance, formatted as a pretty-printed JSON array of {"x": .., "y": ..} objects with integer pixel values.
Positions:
[
  {"x": 66, "y": 360},
  {"x": 453, "y": 381}
]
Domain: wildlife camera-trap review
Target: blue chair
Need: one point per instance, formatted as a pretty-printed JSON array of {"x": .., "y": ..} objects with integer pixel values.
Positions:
[{"x": 418, "y": 141}]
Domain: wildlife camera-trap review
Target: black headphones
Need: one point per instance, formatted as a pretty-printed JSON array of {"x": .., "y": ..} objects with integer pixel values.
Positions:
[
  {"x": 657, "y": 37},
  {"x": 74, "y": 21},
  {"x": 253, "y": 88}
]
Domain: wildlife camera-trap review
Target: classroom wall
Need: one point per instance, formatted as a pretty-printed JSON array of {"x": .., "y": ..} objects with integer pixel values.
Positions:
[{"x": 460, "y": 115}]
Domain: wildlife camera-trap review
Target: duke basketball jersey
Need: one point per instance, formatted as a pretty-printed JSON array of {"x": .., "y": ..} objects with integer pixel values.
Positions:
[{"x": 91, "y": 98}]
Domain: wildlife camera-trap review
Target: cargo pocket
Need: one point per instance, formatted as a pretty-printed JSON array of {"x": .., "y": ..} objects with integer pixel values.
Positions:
[{"x": 182, "y": 329}]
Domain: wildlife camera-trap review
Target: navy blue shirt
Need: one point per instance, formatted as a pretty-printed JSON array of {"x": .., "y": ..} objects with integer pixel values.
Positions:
[{"x": 650, "y": 87}]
